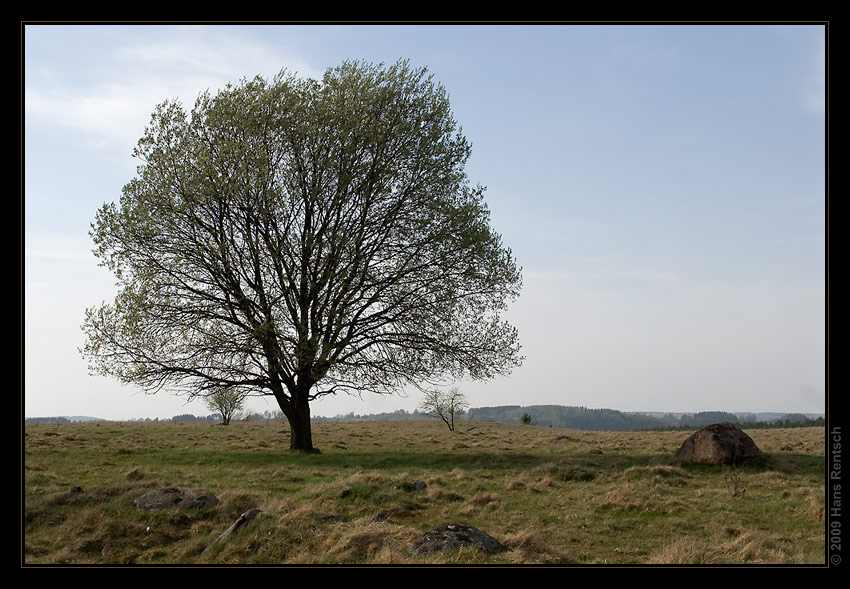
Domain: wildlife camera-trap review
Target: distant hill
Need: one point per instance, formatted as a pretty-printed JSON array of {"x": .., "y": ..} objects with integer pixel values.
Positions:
[
  {"x": 610, "y": 419},
  {"x": 583, "y": 418},
  {"x": 570, "y": 417},
  {"x": 744, "y": 417},
  {"x": 62, "y": 419},
  {"x": 562, "y": 416}
]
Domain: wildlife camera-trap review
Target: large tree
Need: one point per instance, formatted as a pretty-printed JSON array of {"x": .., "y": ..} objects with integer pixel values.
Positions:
[{"x": 299, "y": 238}]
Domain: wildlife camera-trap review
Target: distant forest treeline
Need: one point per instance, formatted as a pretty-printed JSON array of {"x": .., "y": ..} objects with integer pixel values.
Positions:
[
  {"x": 606, "y": 419},
  {"x": 561, "y": 416},
  {"x": 610, "y": 419}
]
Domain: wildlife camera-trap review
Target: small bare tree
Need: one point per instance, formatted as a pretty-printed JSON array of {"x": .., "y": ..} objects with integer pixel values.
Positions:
[
  {"x": 226, "y": 402},
  {"x": 444, "y": 405}
]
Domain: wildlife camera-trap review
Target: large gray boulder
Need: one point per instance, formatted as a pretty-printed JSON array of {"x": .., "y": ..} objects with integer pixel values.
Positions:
[
  {"x": 454, "y": 537},
  {"x": 176, "y": 498},
  {"x": 719, "y": 443}
]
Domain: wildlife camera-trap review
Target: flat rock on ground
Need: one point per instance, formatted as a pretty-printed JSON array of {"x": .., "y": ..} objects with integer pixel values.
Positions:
[
  {"x": 176, "y": 498},
  {"x": 454, "y": 537}
]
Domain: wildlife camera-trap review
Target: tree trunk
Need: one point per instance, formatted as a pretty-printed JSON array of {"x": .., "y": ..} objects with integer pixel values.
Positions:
[
  {"x": 301, "y": 433},
  {"x": 300, "y": 428}
]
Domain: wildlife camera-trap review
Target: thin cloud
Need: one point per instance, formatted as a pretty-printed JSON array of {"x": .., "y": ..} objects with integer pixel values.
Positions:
[
  {"x": 179, "y": 64},
  {"x": 214, "y": 56},
  {"x": 105, "y": 112}
]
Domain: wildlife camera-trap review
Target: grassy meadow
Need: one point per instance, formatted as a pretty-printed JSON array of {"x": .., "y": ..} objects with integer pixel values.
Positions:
[{"x": 550, "y": 496}]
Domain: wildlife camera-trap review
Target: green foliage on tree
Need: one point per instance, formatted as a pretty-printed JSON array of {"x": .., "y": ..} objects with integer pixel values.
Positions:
[
  {"x": 444, "y": 405},
  {"x": 300, "y": 238},
  {"x": 525, "y": 419}
]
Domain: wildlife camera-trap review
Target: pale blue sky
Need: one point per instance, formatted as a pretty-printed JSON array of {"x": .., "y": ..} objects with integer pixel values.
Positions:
[{"x": 663, "y": 188}]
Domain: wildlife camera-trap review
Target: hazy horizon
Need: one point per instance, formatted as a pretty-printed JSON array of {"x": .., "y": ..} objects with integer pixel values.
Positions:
[{"x": 469, "y": 411}]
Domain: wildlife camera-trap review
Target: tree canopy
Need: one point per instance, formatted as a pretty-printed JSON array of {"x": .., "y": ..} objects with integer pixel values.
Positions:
[{"x": 300, "y": 238}]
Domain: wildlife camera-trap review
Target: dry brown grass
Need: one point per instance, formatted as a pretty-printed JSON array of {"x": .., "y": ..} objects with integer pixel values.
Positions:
[
  {"x": 532, "y": 547},
  {"x": 752, "y": 547},
  {"x": 549, "y": 496}
]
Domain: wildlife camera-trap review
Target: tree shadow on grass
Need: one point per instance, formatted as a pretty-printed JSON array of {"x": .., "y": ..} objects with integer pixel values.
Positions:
[{"x": 609, "y": 464}]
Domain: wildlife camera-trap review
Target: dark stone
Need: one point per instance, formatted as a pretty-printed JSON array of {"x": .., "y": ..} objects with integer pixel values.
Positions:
[
  {"x": 176, "y": 498},
  {"x": 416, "y": 485},
  {"x": 75, "y": 490},
  {"x": 720, "y": 443},
  {"x": 454, "y": 537}
]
